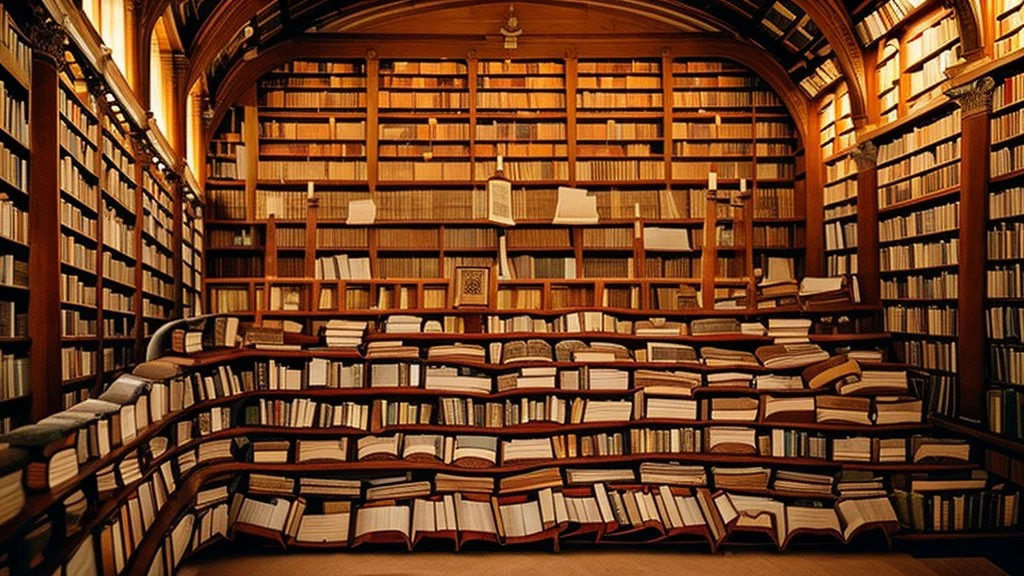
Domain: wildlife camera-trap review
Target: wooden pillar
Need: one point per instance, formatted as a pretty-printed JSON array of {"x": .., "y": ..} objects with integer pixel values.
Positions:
[
  {"x": 44, "y": 221},
  {"x": 814, "y": 200},
  {"x": 975, "y": 101},
  {"x": 866, "y": 157}
]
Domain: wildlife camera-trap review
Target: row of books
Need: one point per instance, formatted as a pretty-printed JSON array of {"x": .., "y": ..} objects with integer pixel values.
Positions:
[
  {"x": 921, "y": 137},
  {"x": 1004, "y": 322},
  {"x": 878, "y": 22},
  {"x": 1006, "y": 160},
  {"x": 1006, "y": 241},
  {"x": 942, "y": 218},
  {"x": 928, "y": 354},
  {"x": 889, "y": 74},
  {"x": 940, "y": 286},
  {"x": 1009, "y": 37},
  {"x": 711, "y": 99},
  {"x": 1006, "y": 363},
  {"x": 930, "y": 320},
  {"x": 839, "y": 264},
  {"x": 1005, "y": 281},
  {"x": 313, "y": 100},
  {"x": 931, "y": 39},
  {"x": 718, "y": 127},
  {"x": 839, "y": 236},
  {"x": 920, "y": 162},
  {"x": 896, "y": 258}
]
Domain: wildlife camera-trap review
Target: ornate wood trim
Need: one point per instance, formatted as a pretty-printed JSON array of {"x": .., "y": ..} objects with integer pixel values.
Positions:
[
  {"x": 865, "y": 155},
  {"x": 974, "y": 98}
]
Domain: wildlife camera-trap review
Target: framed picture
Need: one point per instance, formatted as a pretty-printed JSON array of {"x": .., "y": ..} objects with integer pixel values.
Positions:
[{"x": 472, "y": 285}]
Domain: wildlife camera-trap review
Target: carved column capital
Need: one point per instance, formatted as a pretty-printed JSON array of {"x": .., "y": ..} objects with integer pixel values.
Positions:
[
  {"x": 47, "y": 36},
  {"x": 974, "y": 98},
  {"x": 865, "y": 155}
]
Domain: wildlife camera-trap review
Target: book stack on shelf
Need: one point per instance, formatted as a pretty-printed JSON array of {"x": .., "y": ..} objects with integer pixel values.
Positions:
[
  {"x": 496, "y": 438},
  {"x": 918, "y": 191},
  {"x": 79, "y": 140},
  {"x": 840, "y": 200},
  {"x": 1004, "y": 307},
  {"x": 15, "y": 81}
]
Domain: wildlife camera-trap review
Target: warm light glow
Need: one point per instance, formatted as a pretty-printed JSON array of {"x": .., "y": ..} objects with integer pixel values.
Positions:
[{"x": 112, "y": 29}]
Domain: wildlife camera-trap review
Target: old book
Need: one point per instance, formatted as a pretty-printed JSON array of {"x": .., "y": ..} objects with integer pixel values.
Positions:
[
  {"x": 843, "y": 410},
  {"x": 787, "y": 408},
  {"x": 832, "y": 372}
]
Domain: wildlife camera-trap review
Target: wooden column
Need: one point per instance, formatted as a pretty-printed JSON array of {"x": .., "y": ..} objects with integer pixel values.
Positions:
[
  {"x": 975, "y": 101},
  {"x": 866, "y": 157},
  {"x": 814, "y": 200},
  {"x": 44, "y": 221}
]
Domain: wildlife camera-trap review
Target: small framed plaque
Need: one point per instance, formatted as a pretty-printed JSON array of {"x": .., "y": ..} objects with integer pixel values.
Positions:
[{"x": 472, "y": 286}]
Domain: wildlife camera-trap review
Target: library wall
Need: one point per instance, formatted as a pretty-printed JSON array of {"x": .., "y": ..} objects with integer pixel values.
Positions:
[{"x": 421, "y": 137}]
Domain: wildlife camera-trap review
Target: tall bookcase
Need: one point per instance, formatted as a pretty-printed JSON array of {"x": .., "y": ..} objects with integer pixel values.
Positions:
[
  {"x": 840, "y": 191},
  {"x": 157, "y": 252},
  {"x": 421, "y": 137},
  {"x": 120, "y": 253},
  {"x": 15, "y": 82},
  {"x": 80, "y": 259},
  {"x": 1005, "y": 255}
]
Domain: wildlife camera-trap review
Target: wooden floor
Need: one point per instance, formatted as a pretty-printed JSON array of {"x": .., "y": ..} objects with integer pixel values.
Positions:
[{"x": 581, "y": 563}]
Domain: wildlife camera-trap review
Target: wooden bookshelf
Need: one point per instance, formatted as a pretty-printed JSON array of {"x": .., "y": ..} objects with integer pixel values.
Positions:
[
  {"x": 840, "y": 196},
  {"x": 430, "y": 132},
  {"x": 190, "y": 465},
  {"x": 15, "y": 75},
  {"x": 1004, "y": 258},
  {"x": 82, "y": 296}
]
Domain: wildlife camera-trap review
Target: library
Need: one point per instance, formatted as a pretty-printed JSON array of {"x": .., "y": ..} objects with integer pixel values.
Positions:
[{"x": 301, "y": 286}]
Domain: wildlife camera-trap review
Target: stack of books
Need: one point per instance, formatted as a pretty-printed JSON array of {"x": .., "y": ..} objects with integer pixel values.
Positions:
[
  {"x": 403, "y": 324},
  {"x": 789, "y": 330},
  {"x": 781, "y": 356},
  {"x": 347, "y": 334},
  {"x": 825, "y": 292}
]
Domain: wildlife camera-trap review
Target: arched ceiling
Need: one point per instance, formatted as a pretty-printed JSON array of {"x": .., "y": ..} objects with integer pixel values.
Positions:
[{"x": 812, "y": 39}]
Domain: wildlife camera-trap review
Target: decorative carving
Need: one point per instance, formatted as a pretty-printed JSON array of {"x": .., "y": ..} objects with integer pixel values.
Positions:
[
  {"x": 47, "y": 35},
  {"x": 511, "y": 30},
  {"x": 865, "y": 155},
  {"x": 371, "y": 54},
  {"x": 471, "y": 53},
  {"x": 974, "y": 98}
]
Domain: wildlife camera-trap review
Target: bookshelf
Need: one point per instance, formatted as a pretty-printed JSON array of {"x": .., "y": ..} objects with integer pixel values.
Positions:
[
  {"x": 1009, "y": 27},
  {"x": 640, "y": 134},
  {"x": 840, "y": 190},
  {"x": 81, "y": 295},
  {"x": 158, "y": 253},
  {"x": 15, "y": 82},
  {"x": 192, "y": 257},
  {"x": 918, "y": 218},
  {"x": 180, "y": 472},
  {"x": 1004, "y": 297},
  {"x": 119, "y": 281}
]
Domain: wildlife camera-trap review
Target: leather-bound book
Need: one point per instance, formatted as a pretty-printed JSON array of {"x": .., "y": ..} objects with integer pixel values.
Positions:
[{"x": 835, "y": 370}]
